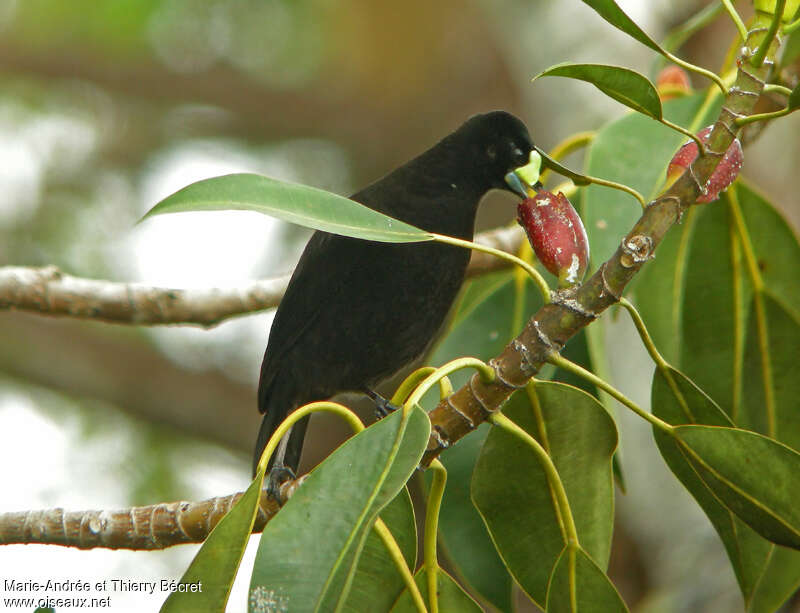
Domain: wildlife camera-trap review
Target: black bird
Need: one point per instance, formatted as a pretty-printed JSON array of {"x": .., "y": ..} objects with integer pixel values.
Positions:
[{"x": 356, "y": 311}]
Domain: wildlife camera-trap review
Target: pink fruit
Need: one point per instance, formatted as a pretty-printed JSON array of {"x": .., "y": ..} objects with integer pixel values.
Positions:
[
  {"x": 556, "y": 234},
  {"x": 672, "y": 82},
  {"x": 724, "y": 174}
]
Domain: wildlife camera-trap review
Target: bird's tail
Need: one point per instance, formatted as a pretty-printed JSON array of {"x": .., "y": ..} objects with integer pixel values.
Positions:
[{"x": 291, "y": 459}]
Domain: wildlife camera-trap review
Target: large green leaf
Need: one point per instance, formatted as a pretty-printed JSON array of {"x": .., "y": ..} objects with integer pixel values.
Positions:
[
  {"x": 451, "y": 597},
  {"x": 514, "y": 497},
  {"x": 771, "y": 397},
  {"x": 775, "y": 246},
  {"x": 767, "y": 574},
  {"x": 579, "y": 585},
  {"x": 709, "y": 304},
  {"x": 622, "y": 84},
  {"x": 300, "y": 204},
  {"x": 711, "y": 317},
  {"x": 754, "y": 476},
  {"x": 718, "y": 301},
  {"x": 215, "y": 565},
  {"x": 377, "y": 583},
  {"x": 309, "y": 551}
]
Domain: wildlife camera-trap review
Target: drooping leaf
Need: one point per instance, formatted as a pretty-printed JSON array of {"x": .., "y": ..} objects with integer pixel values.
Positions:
[
  {"x": 775, "y": 246},
  {"x": 767, "y": 574},
  {"x": 718, "y": 301},
  {"x": 732, "y": 464},
  {"x": 696, "y": 296},
  {"x": 299, "y": 204},
  {"x": 610, "y": 11},
  {"x": 624, "y": 85},
  {"x": 215, "y": 564},
  {"x": 771, "y": 396},
  {"x": 579, "y": 585},
  {"x": 309, "y": 551},
  {"x": 711, "y": 317},
  {"x": 514, "y": 497},
  {"x": 377, "y": 583},
  {"x": 451, "y": 596}
]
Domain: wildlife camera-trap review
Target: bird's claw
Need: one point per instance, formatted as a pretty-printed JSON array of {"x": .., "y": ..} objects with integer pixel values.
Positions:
[
  {"x": 382, "y": 410},
  {"x": 278, "y": 475},
  {"x": 383, "y": 407}
]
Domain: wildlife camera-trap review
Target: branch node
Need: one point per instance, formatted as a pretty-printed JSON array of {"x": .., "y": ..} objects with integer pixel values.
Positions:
[
  {"x": 442, "y": 440},
  {"x": 736, "y": 91},
  {"x": 637, "y": 249},
  {"x": 607, "y": 290},
  {"x": 483, "y": 404},
  {"x": 459, "y": 412},
  {"x": 527, "y": 361},
  {"x": 566, "y": 298},
  {"x": 495, "y": 365}
]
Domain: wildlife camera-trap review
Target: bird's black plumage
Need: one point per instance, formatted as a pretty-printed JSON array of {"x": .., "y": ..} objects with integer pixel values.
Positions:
[{"x": 356, "y": 312}]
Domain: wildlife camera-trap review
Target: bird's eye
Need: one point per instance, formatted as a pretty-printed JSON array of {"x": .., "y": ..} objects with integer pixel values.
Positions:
[{"x": 518, "y": 156}]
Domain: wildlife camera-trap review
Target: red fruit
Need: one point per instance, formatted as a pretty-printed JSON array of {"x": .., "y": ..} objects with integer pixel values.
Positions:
[
  {"x": 556, "y": 234},
  {"x": 724, "y": 174},
  {"x": 672, "y": 82}
]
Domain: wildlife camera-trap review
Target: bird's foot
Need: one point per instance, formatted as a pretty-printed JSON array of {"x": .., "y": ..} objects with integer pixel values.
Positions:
[
  {"x": 383, "y": 407},
  {"x": 278, "y": 475}
]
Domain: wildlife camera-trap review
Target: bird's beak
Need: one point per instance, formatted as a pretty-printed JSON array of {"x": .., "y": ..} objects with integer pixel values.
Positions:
[{"x": 525, "y": 178}]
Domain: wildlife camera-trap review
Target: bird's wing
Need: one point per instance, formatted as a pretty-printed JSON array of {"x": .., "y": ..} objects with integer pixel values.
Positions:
[{"x": 305, "y": 299}]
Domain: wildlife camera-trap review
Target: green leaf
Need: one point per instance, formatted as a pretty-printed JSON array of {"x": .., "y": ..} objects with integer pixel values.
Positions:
[
  {"x": 309, "y": 551},
  {"x": 767, "y": 574},
  {"x": 697, "y": 295},
  {"x": 754, "y": 476},
  {"x": 216, "y": 563},
  {"x": 776, "y": 247},
  {"x": 578, "y": 584},
  {"x": 622, "y": 84},
  {"x": 451, "y": 597},
  {"x": 512, "y": 493},
  {"x": 299, "y": 204},
  {"x": 377, "y": 583},
  {"x": 794, "y": 98},
  {"x": 772, "y": 374},
  {"x": 610, "y": 11},
  {"x": 791, "y": 48},
  {"x": 711, "y": 316},
  {"x": 718, "y": 302}
]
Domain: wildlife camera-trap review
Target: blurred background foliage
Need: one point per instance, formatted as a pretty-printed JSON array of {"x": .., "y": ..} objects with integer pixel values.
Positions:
[{"x": 106, "y": 106}]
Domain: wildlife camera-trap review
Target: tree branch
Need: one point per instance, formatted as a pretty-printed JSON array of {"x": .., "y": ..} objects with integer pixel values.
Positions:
[
  {"x": 149, "y": 527},
  {"x": 48, "y": 291},
  {"x": 554, "y": 324}
]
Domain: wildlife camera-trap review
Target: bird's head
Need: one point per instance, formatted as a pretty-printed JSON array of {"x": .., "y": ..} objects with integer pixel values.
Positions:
[{"x": 499, "y": 144}]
